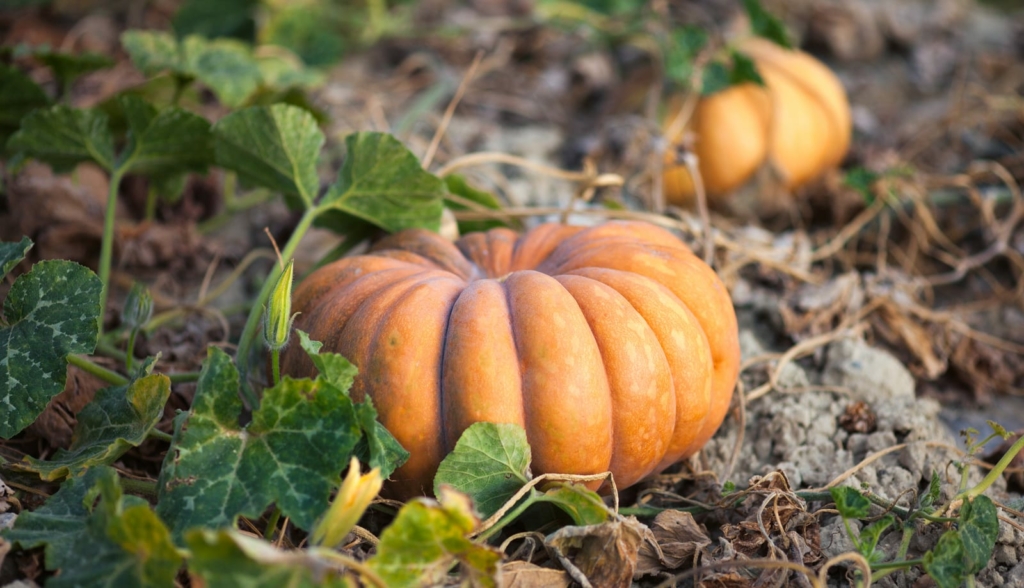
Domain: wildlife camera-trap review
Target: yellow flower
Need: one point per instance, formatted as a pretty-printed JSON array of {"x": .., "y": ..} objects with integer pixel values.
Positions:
[{"x": 352, "y": 500}]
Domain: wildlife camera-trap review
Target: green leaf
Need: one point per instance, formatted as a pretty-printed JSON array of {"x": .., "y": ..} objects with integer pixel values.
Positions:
[
  {"x": 861, "y": 179},
  {"x": 118, "y": 419},
  {"x": 979, "y": 528},
  {"x": 276, "y": 147},
  {"x": 284, "y": 72},
  {"x": 11, "y": 254},
  {"x": 229, "y": 558},
  {"x": 64, "y": 137},
  {"x": 869, "y": 536},
  {"x": 382, "y": 182},
  {"x": 291, "y": 453},
  {"x": 684, "y": 45},
  {"x": 945, "y": 563},
  {"x": 716, "y": 77},
  {"x": 744, "y": 70},
  {"x": 490, "y": 463},
  {"x": 19, "y": 95},
  {"x": 584, "y": 506},
  {"x": 458, "y": 186},
  {"x": 766, "y": 24},
  {"x": 51, "y": 311},
  {"x": 217, "y": 18},
  {"x": 60, "y": 523},
  {"x": 153, "y": 51},
  {"x": 118, "y": 543},
  {"x": 331, "y": 366},
  {"x": 426, "y": 538},
  {"x": 308, "y": 30},
  {"x": 850, "y": 503},
  {"x": 67, "y": 66},
  {"x": 163, "y": 143},
  {"x": 378, "y": 447},
  {"x": 226, "y": 66}
]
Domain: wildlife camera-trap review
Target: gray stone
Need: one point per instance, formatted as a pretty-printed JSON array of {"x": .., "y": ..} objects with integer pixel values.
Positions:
[
  {"x": 1016, "y": 575},
  {"x": 834, "y": 539},
  {"x": 1005, "y": 554},
  {"x": 871, "y": 374}
]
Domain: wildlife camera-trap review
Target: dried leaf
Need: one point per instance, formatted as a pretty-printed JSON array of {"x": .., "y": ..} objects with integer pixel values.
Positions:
[
  {"x": 679, "y": 537},
  {"x": 604, "y": 554},
  {"x": 523, "y": 574}
]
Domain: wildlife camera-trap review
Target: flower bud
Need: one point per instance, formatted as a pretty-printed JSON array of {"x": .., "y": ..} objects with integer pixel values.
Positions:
[
  {"x": 277, "y": 319},
  {"x": 352, "y": 500},
  {"x": 138, "y": 307}
]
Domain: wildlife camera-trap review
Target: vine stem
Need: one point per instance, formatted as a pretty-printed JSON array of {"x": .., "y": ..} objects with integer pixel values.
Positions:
[
  {"x": 995, "y": 472},
  {"x": 107, "y": 247},
  {"x": 275, "y": 362},
  {"x": 256, "y": 313},
  {"x": 129, "y": 354},
  {"x": 275, "y": 516},
  {"x": 159, "y": 435},
  {"x": 108, "y": 376},
  {"x": 136, "y": 486}
]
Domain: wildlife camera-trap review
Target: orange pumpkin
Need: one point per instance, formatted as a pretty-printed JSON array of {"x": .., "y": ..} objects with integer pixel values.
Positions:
[
  {"x": 799, "y": 122},
  {"x": 614, "y": 347}
]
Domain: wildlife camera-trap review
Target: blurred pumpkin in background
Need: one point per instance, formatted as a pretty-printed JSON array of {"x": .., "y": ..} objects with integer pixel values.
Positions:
[{"x": 798, "y": 122}]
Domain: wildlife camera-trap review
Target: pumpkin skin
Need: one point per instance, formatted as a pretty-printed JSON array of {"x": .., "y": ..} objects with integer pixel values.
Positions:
[
  {"x": 799, "y": 122},
  {"x": 614, "y": 347}
]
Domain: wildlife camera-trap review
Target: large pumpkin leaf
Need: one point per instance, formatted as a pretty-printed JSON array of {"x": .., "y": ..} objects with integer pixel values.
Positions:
[
  {"x": 120, "y": 542},
  {"x": 378, "y": 447},
  {"x": 226, "y": 66},
  {"x": 164, "y": 143},
  {"x": 382, "y": 182},
  {"x": 583, "y": 505},
  {"x": 945, "y": 563},
  {"x": 426, "y": 538},
  {"x": 229, "y": 558},
  {"x": 118, "y": 419},
  {"x": 291, "y": 453},
  {"x": 64, "y": 137},
  {"x": 272, "y": 146},
  {"x": 490, "y": 463},
  {"x": 51, "y": 311}
]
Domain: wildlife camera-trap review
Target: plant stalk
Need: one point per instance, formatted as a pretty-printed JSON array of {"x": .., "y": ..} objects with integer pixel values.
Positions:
[
  {"x": 108, "y": 376},
  {"x": 129, "y": 354},
  {"x": 995, "y": 472},
  {"x": 107, "y": 248},
  {"x": 245, "y": 342}
]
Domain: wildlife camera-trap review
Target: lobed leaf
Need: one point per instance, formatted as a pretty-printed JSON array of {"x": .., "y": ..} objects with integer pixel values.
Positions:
[
  {"x": 490, "y": 463},
  {"x": 229, "y": 558},
  {"x": 850, "y": 503},
  {"x": 291, "y": 453},
  {"x": 118, "y": 543},
  {"x": 51, "y": 311},
  {"x": 272, "y": 146},
  {"x": 64, "y": 137},
  {"x": 118, "y": 419},
  {"x": 456, "y": 185},
  {"x": 382, "y": 182},
  {"x": 152, "y": 51},
  {"x": 427, "y": 537},
  {"x": 164, "y": 143},
  {"x": 583, "y": 505},
  {"x": 226, "y": 66},
  {"x": 766, "y": 25}
]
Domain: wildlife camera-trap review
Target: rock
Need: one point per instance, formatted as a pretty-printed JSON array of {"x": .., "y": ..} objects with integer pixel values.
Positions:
[
  {"x": 834, "y": 539},
  {"x": 871, "y": 374}
]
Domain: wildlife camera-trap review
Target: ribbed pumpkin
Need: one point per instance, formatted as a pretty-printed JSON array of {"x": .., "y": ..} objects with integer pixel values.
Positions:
[
  {"x": 613, "y": 346},
  {"x": 799, "y": 122}
]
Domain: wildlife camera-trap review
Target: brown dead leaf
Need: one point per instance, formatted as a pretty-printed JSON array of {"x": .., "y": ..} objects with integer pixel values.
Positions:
[
  {"x": 523, "y": 574},
  {"x": 679, "y": 538},
  {"x": 817, "y": 309},
  {"x": 985, "y": 368},
  {"x": 57, "y": 421},
  {"x": 602, "y": 555},
  {"x": 898, "y": 328}
]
